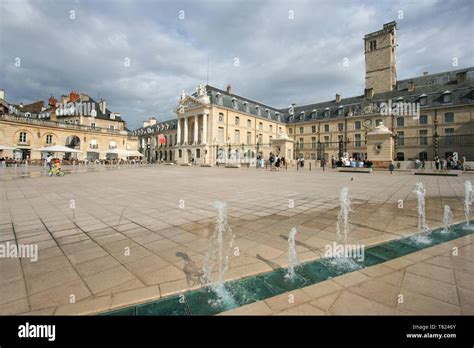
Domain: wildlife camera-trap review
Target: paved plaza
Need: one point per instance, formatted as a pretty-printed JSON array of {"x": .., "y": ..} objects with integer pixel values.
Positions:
[{"x": 135, "y": 234}]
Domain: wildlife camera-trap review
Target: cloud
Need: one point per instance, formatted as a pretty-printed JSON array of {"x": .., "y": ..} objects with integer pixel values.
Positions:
[{"x": 287, "y": 52}]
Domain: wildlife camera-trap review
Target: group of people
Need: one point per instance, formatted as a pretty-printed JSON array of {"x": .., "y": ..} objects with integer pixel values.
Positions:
[
  {"x": 53, "y": 162},
  {"x": 350, "y": 162},
  {"x": 276, "y": 162},
  {"x": 448, "y": 163}
]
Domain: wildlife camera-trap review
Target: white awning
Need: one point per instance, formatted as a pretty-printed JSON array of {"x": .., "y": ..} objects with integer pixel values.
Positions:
[{"x": 57, "y": 148}]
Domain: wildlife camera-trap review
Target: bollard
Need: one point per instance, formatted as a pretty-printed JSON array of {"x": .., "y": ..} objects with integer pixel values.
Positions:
[{"x": 309, "y": 166}]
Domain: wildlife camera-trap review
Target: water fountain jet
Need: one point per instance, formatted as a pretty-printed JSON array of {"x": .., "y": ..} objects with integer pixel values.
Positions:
[
  {"x": 447, "y": 219},
  {"x": 218, "y": 254},
  {"x": 293, "y": 260},
  {"x": 343, "y": 217},
  {"x": 468, "y": 199}
]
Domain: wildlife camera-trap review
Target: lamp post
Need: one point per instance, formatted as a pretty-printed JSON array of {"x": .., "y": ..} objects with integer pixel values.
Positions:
[
  {"x": 341, "y": 143},
  {"x": 257, "y": 154},
  {"x": 436, "y": 139}
]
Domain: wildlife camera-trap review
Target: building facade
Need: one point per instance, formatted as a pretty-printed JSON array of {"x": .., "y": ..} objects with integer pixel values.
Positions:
[
  {"x": 77, "y": 122},
  {"x": 429, "y": 115}
]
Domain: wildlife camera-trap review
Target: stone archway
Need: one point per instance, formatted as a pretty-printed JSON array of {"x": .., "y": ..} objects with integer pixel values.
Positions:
[{"x": 73, "y": 142}]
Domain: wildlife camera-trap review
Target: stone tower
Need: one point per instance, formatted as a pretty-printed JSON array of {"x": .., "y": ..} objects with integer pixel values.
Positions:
[{"x": 380, "y": 59}]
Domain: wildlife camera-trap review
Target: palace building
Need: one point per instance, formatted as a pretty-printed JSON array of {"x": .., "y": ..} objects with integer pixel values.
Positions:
[
  {"x": 427, "y": 116},
  {"x": 76, "y": 121}
]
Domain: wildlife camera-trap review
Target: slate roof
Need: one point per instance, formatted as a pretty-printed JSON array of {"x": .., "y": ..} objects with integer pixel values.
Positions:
[
  {"x": 157, "y": 128},
  {"x": 431, "y": 86}
]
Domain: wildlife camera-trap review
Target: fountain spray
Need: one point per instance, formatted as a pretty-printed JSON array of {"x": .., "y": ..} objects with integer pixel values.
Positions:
[
  {"x": 343, "y": 217},
  {"x": 468, "y": 199},
  {"x": 420, "y": 194},
  {"x": 293, "y": 260}
]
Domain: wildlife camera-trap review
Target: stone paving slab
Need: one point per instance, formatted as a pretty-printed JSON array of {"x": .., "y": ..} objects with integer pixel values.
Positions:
[{"x": 140, "y": 233}]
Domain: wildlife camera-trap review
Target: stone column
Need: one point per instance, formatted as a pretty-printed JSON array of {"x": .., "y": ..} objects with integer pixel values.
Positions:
[
  {"x": 178, "y": 132},
  {"x": 196, "y": 129},
  {"x": 204, "y": 128},
  {"x": 185, "y": 131}
]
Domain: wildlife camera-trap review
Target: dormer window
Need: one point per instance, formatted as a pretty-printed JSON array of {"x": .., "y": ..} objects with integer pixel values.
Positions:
[
  {"x": 340, "y": 111},
  {"x": 314, "y": 114},
  {"x": 278, "y": 116},
  {"x": 258, "y": 110},
  {"x": 447, "y": 97},
  {"x": 267, "y": 112},
  {"x": 423, "y": 100},
  {"x": 235, "y": 105},
  {"x": 218, "y": 98},
  {"x": 112, "y": 116},
  {"x": 326, "y": 112},
  {"x": 246, "y": 106}
]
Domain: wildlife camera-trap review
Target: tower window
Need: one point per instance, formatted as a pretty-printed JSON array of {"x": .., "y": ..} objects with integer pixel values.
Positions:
[{"x": 372, "y": 45}]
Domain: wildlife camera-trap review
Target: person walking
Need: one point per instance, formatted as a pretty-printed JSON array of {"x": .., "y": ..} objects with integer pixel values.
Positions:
[
  {"x": 49, "y": 159},
  {"x": 391, "y": 167}
]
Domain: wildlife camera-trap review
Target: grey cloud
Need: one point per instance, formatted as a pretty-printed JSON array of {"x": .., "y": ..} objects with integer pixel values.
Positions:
[{"x": 281, "y": 60}]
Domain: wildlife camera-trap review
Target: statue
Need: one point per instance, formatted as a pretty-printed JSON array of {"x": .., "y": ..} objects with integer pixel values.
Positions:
[
  {"x": 183, "y": 95},
  {"x": 201, "y": 90}
]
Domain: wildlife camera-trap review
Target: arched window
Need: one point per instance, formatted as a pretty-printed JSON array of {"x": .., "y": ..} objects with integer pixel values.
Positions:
[
  {"x": 400, "y": 156},
  {"x": 22, "y": 138},
  {"x": 423, "y": 156}
]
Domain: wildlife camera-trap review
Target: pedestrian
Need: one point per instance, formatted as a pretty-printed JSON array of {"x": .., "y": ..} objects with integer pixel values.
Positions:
[
  {"x": 323, "y": 164},
  {"x": 437, "y": 162},
  {"x": 49, "y": 159},
  {"x": 417, "y": 163},
  {"x": 391, "y": 167},
  {"x": 277, "y": 163},
  {"x": 333, "y": 162}
]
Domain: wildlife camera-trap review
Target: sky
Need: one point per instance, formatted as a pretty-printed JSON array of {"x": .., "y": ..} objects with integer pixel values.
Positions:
[{"x": 138, "y": 55}]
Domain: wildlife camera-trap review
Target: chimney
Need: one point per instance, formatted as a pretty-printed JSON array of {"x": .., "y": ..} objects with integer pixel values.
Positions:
[
  {"x": 53, "y": 117},
  {"x": 102, "y": 106},
  {"x": 146, "y": 124},
  {"x": 411, "y": 86},
  {"x": 52, "y": 101},
  {"x": 73, "y": 96},
  {"x": 2, "y": 94},
  {"x": 461, "y": 77},
  {"x": 152, "y": 121},
  {"x": 229, "y": 89},
  {"x": 338, "y": 98}
]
